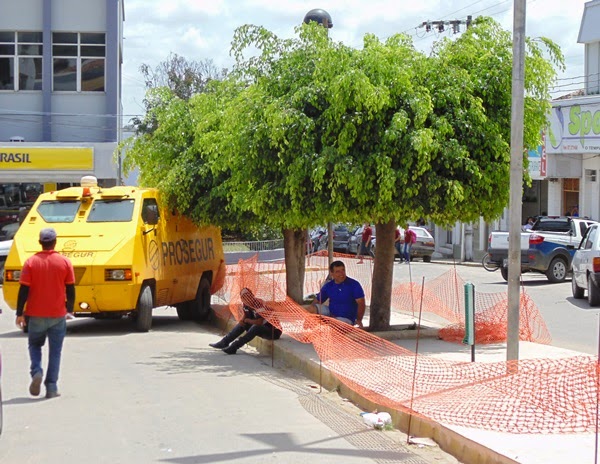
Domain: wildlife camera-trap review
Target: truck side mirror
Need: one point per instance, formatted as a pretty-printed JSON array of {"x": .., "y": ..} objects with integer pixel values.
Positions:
[{"x": 151, "y": 216}]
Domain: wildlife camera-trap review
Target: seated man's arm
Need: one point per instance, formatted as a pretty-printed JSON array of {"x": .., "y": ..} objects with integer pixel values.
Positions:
[
  {"x": 360, "y": 311},
  {"x": 319, "y": 298},
  {"x": 258, "y": 321}
]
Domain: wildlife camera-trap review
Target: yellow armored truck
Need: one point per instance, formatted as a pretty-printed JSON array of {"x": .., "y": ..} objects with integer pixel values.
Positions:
[{"x": 130, "y": 253}]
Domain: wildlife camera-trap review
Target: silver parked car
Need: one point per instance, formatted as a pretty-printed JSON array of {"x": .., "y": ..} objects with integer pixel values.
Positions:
[{"x": 586, "y": 267}]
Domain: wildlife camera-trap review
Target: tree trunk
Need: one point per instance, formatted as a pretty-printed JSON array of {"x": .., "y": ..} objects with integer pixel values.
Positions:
[
  {"x": 383, "y": 276},
  {"x": 294, "y": 241}
]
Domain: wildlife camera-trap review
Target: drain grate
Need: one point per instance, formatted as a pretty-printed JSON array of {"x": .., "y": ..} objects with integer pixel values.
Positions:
[{"x": 381, "y": 447}]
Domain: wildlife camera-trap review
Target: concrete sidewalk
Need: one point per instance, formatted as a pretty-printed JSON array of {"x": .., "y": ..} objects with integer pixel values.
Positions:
[{"x": 468, "y": 445}]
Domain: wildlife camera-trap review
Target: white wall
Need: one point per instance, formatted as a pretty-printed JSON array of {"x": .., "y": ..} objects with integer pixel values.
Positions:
[
  {"x": 592, "y": 68},
  {"x": 21, "y": 15},
  {"x": 14, "y": 119},
  {"x": 79, "y": 15},
  {"x": 83, "y": 124},
  {"x": 591, "y": 190},
  {"x": 104, "y": 164},
  {"x": 555, "y": 207}
]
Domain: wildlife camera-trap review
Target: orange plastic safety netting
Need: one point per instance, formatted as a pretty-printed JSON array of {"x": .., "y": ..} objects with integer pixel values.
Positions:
[{"x": 528, "y": 396}]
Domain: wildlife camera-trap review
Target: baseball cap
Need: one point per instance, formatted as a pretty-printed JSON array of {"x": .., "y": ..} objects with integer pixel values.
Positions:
[{"x": 47, "y": 235}]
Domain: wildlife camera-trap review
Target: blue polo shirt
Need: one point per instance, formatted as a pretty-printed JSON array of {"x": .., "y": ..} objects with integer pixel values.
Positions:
[{"x": 342, "y": 297}]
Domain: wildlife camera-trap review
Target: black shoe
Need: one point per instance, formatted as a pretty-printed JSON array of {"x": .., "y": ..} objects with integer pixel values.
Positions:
[
  {"x": 232, "y": 349},
  {"x": 36, "y": 382},
  {"x": 52, "y": 394},
  {"x": 219, "y": 345}
]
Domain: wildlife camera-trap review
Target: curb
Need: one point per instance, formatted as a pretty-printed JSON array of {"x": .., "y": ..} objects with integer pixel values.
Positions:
[{"x": 462, "y": 448}]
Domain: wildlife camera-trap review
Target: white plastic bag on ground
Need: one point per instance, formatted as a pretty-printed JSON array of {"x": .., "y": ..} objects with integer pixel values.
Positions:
[{"x": 376, "y": 420}]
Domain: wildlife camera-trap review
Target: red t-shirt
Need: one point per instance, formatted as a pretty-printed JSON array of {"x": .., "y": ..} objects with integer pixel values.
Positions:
[
  {"x": 366, "y": 235},
  {"x": 410, "y": 236},
  {"x": 46, "y": 274}
]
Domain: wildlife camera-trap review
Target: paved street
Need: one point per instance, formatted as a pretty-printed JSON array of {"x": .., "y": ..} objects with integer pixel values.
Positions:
[
  {"x": 165, "y": 396},
  {"x": 572, "y": 323}
]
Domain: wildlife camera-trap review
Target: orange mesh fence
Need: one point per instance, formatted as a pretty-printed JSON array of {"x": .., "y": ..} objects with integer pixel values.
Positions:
[
  {"x": 442, "y": 297},
  {"x": 528, "y": 396}
]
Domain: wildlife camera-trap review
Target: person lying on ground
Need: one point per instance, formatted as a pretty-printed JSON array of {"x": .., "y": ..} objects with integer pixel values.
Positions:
[
  {"x": 345, "y": 297},
  {"x": 252, "y": 323}
]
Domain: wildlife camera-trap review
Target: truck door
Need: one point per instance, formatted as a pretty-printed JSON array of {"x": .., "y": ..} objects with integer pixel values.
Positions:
[{"x": 152, "y": 238}]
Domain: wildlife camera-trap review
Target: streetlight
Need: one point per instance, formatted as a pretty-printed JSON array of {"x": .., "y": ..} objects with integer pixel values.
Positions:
[
  {"x": 319, "y": 16},
  {"x": 323, "y": 18}
]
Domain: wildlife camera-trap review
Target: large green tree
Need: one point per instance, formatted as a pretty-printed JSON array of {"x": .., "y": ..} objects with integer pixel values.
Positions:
[
  {"x": 183, "y": 77},
  {"x": 308, "y": 130}
]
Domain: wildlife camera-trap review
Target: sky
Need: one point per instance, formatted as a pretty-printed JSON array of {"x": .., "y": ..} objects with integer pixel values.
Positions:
[{"x": 203, "y": 29}]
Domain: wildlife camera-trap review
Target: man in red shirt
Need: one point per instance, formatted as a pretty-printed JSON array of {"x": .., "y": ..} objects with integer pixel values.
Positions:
[
  {"x": 410, "y": 237},
  {"x": 48, "y": 287},
  {"x": 365, "y": 241}
]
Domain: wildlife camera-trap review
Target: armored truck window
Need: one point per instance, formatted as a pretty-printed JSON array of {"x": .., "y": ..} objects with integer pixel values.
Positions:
[
  {"x": 58, "y": 211},
  {"x": 150, "y": 211},
  {"x": 111, "y": 211}
]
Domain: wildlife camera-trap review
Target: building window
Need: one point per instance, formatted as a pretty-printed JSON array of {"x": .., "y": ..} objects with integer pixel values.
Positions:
[
  {"x": 21, "y": 60},
  {"x": 78, "y": 61},
  {"x": 590, "y": 175}
]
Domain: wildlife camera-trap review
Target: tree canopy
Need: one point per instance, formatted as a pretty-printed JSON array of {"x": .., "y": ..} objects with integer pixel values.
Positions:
[{"x": 309, "y": 130}]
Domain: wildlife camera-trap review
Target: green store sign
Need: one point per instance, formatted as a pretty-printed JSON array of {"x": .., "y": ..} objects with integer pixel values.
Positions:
[{"x": 574, "y": 129}]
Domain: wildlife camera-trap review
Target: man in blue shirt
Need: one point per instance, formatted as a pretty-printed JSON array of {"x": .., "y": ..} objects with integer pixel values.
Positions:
[{"x": 345, "y": 296}]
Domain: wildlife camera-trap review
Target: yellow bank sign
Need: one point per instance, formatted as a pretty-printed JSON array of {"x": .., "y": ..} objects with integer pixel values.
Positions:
[{"x": 54, "y": 159}]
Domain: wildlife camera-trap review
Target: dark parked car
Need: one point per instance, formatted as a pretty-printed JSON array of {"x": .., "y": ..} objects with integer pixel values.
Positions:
[
  {"x": 341, "y": 234},
  {"x": 314, "y": 239},
  {"x": 356, "y": 237},
  {"x": 8, "y": 231}
]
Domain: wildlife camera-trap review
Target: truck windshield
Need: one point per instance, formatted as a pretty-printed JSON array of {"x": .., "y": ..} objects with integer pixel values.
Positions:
[
  {"x": 111, "y": 211},
  {"x": 58, "y": 211}
]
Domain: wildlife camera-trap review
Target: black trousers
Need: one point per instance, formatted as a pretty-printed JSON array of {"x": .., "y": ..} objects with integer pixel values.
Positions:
[{"x": 266, "y": 331}]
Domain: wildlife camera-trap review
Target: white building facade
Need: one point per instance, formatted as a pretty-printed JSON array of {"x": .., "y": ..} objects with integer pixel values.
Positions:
[
  {"x": 60, "y": 92},
  {"x": 573, "y": 140}
]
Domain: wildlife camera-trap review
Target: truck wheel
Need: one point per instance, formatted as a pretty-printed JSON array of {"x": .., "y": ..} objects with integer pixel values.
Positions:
[
  {"x": 593, "y": 293},
  {"x": 557, "y": 272},
  {"x": 504, "y": 272},
  {"x": 426, "y": 259},
  {"x": 576, "y": 289},
  {"x": 200, "y": 307},
  {"x": 184, "y": 311},
  {"x": 143, "y": 321}
]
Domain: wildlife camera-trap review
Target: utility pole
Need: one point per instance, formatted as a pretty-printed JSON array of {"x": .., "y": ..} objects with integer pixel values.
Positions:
[
  {"x": 516, "y": 180},
  {"x": 324, "y": 19}
]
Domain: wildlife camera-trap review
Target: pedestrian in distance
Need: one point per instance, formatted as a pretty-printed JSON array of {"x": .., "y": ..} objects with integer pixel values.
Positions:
[
  {"x": 409, "y": 238},
  {"x": 344, "y": 295},
  {"x": 529, "y": 224},
  {"x": 47, "y": 287},
  {"x": 252, "y": 323},
  {"x": 398, "y": 242},
  {"x": 365, "y": 242}
]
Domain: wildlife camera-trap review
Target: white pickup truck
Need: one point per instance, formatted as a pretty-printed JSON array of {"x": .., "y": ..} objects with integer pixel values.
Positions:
[{"x": 547, "y": 248}]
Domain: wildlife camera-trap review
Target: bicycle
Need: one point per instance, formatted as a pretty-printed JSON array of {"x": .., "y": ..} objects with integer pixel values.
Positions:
[{"x": 489, "y": 265}]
